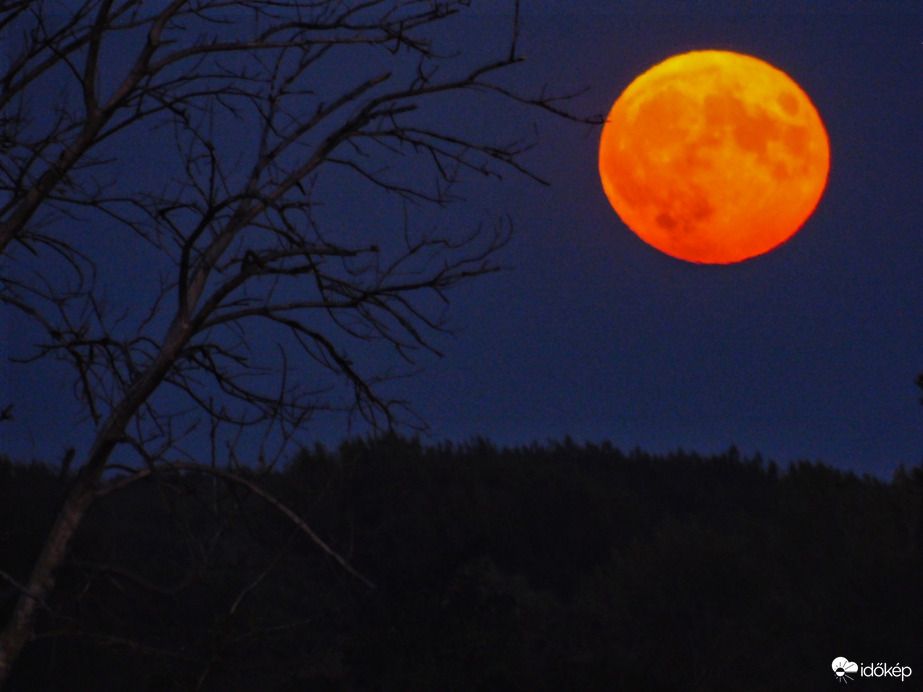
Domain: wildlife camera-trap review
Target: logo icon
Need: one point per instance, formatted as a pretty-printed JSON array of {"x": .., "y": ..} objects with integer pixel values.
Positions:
[{"x": 842, "y": 666}]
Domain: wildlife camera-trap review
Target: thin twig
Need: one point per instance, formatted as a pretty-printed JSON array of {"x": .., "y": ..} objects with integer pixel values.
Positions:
[{"x": 268, "y": 497}]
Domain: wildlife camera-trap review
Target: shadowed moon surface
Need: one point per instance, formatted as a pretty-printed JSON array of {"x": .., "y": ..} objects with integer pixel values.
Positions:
[{"x": 714, "y": 157}]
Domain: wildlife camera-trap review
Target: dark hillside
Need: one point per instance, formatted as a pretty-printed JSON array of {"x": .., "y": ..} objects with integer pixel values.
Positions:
[{"x": 551, "y": 566}]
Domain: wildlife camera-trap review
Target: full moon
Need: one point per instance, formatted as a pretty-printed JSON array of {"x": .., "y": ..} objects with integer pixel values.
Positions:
[{"x": 714, "y": 157}]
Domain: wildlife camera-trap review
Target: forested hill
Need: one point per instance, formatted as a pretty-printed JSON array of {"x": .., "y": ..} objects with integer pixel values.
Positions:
[{"x": 553, "y": 566}]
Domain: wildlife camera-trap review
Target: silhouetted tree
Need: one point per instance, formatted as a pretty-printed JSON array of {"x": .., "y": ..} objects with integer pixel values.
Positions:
[{"x": 240, "y": 107}]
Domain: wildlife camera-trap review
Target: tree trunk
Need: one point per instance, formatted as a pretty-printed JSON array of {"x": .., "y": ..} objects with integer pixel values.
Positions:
[{"x": 20, "y": 626}]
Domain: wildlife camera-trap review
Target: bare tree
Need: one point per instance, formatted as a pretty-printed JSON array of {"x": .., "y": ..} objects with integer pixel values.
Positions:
[{"x": 240, "y": 106}]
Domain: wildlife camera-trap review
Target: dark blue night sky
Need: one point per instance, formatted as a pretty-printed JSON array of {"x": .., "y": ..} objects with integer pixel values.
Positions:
[{"x": 809, "y": 352}]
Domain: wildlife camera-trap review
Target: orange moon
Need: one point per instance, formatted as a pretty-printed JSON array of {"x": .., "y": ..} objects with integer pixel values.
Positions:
[{"x": 714, "y": 157}]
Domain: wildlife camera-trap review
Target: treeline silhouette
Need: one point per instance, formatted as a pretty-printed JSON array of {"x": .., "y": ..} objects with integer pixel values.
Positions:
[{"x": 545, "y": 567}]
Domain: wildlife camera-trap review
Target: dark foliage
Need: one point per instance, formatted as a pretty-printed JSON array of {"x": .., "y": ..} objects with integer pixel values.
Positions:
[{"x": 555, "y": 566}]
